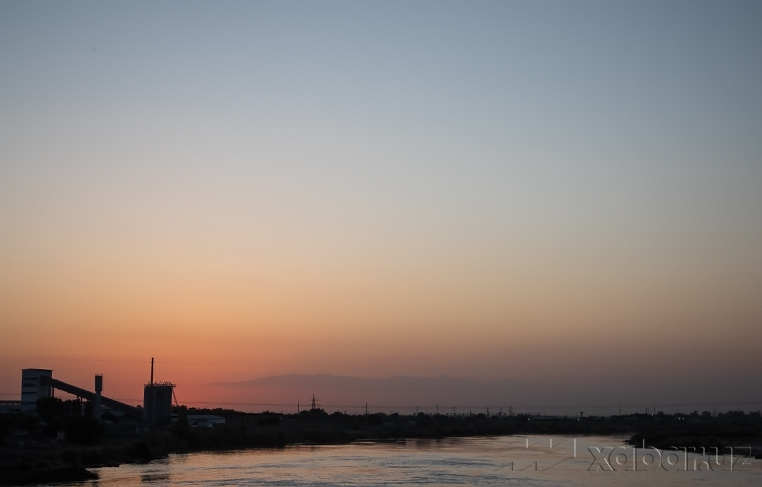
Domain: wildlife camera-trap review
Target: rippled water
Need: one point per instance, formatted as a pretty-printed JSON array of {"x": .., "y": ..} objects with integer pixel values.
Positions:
[{"x": 500, "y": 461}]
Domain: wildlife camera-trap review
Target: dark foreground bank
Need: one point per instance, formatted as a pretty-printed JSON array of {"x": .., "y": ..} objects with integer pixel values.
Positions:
[{"x": 41, "y": 459}]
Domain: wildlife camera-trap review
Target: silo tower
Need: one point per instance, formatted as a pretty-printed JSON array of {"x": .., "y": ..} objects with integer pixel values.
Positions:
[{"x": 157, "y": 401}]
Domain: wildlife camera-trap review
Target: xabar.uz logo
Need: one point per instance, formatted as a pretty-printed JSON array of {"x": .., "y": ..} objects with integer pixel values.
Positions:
[
  {"x": 643, "y": 459},
  {"x": 679, "y": 459}
]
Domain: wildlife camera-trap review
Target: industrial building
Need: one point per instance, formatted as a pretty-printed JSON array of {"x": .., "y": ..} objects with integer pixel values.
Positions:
[
  {"x": 157, "y": 403},
  {"x": 158, "y": 397},
  {"x": 33, "y": 387}
]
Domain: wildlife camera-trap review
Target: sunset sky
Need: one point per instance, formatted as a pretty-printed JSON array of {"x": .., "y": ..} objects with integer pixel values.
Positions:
[{"x": 562, "y": 196}]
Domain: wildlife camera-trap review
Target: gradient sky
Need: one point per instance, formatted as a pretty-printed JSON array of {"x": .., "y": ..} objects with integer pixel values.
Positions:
[{"x": 557, "y": 193}]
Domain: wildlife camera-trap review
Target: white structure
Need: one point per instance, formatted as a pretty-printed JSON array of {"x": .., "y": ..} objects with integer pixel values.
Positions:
[
  {"x": 204, "y": 420},
  {"x": 33, "y": 389}
]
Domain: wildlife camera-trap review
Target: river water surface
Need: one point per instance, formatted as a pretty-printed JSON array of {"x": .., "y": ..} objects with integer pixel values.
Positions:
[{"x": 499, "y": 461}]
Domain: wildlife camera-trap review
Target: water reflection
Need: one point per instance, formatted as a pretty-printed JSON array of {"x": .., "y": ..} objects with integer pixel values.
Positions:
[
  {"x": 490, "y": 462},
  {"x": 151, "y": 478}
]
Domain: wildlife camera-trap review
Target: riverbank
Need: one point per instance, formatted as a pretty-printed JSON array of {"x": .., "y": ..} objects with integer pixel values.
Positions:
[{"x": 37, "y": 463}]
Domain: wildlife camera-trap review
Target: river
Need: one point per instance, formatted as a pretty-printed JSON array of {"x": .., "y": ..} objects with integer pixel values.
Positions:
[{"x": 494, "y": 461}]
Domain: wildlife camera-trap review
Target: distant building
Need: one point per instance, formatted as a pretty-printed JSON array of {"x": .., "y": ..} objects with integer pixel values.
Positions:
[
  {"x": 204, "y": 420},
  {"x": 8, "y": 407}
]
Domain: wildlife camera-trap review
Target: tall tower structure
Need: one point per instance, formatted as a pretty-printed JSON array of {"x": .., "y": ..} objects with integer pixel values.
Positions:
[{"x": 98, "y": 391}]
